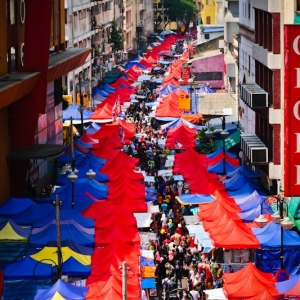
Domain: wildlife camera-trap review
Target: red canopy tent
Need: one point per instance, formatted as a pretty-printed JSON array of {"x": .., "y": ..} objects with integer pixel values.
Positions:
[
  {"x": 110, "y": 287},
  {"x": 182, "y": 134},
  {"x": 105, "y": 149},
  {"x": 108, "y": 258},
  {"x": 87, "y": 138},
  {"x": 214, "y": 160},
  {"x": 118, "y": 162},
  {"x": 184, "y": 158},
  {"x": 249, "y": 283},
  {"x": 119, "y": 81},
  {"x": 225, "y": 227}
]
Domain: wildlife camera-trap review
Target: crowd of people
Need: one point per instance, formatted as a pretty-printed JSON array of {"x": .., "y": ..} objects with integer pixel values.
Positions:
[{"x": 178, "y": 255}]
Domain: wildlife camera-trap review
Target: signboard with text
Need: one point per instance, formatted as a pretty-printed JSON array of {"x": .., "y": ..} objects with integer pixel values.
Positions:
[
  {"x": 185, "y": 73},
  {"x": 184, "y": 101},
  {"x": 291, "y": 110}
]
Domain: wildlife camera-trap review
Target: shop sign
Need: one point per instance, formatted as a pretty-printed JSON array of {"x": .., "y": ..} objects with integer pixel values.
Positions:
[{"x": 291, "y": 110}]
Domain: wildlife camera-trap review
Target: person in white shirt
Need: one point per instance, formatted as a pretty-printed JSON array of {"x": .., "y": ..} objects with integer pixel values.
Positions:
[{"x": 195, "y": 293}]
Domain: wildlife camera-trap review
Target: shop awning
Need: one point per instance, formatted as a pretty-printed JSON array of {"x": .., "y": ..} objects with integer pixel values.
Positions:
[
  {"x": 232, "y": 140},
  {"x": 63, "y": 62},
  {"x": 41, "y": 151},
  {"x": 16, "y": 85}
]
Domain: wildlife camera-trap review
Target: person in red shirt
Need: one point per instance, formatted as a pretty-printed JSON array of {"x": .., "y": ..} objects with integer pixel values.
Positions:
[{"x": 208, "y": 278}]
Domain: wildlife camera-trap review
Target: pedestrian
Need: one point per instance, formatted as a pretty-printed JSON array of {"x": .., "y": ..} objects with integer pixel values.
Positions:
[{"x": 195, "y": 293}]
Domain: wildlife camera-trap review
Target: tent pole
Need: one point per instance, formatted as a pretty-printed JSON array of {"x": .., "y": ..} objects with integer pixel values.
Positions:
[
  {"x": 57, "y": 204},
  {"x": 124, "y": 280}
]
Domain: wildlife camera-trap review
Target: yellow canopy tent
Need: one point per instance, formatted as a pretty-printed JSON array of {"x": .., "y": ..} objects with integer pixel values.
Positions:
[
  {"x": 58, "y": 296},
  {"x": 48, "y": 254},
  {"x": 8, "y": 234}
]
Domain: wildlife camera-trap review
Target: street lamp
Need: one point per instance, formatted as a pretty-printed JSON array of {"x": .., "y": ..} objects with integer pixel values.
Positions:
[
  {"x": 90, "y": 174},
  {"x": 224, "y": 134},
  {"x": 278, "y": 218}
]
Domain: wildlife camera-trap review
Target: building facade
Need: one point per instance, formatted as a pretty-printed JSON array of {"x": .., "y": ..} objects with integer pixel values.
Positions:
[
  {"x": 33, "y": 62},
  {"x": 261, "y": 82}
]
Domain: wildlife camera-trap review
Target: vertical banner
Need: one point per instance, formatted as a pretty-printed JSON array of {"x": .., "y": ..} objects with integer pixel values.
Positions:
[
  {"x": 185, "y": 74},
  {"x": 291, "y": 110}
]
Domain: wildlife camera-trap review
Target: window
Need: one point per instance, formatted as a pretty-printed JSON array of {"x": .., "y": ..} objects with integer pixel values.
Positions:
[
  {"x": 249, "y": 11},
  {"x": 207, "y": 2},
  {"x": 82, "y": 14},
  {"x": 12, "y": 12},
  {"x": 249, "y": 64},
  {"x": 11, "y": 60},
  {"x": 208, "y": 20},
  {"x": 298, "y": 5}
]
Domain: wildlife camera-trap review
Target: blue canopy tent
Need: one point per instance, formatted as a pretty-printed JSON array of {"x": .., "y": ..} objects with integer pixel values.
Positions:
[
  {"x": 28, "y": 268},
  {"x": 243, "y": 169},
  {"x": 250, "y": 215},
  {"x": 14, "y": 206},
  {"x": 219, "y": 167},
  {"x": 268, "y": 257},
  {"x": 206, "y": 89},
  {"x": 66, "y": 157},
  {"x": 98, "y": 95},
  {"x": 129, "y": 65},
  {"x": 218, "y": 151},
  {"x": 175, "y": 123},
  {"x": 85, "y": 191},
  {"x": 245, "y": 190},
  {"x": 79, "y": 143},
  {"x": 240, "y": 180},
  {"x": 72, "y": 111},
  {"x": 191, "y": 199},
  {"x": 107, "y": 88},
  {"x": 92, "y": 128},
  {"x": 291, "y": 284},
  {"x": 66, "y": 290},
  {"x": 68, "y": 214},
  {"x": 23, "y": 289},
  {"x": 98, "y": 91},
  {"x": 83, "y": 165},
  {"x": 47, "y": 236},
  {"x": 72, "y": 267},
  {"x": 71, "y": 245},
  {"x": 166, "y": 90},
  {"x": 254, "y": 200}
]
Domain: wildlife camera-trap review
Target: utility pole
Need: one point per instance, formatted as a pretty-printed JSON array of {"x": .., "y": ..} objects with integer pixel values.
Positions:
[
  {"x": 58, "y": 237},
  {"x": 163, "y": 16},
  {"x": 194, "y": 86},
  {"x": 124, "y": 280}
]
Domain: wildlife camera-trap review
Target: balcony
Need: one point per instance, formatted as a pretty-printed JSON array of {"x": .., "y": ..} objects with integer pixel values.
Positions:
[{"x": 271, "y": 6}]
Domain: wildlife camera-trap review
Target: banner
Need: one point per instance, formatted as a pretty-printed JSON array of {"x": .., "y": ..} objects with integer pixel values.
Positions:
[
  {"x": 185, "y": 74},
  {"x": 184, "y": 102},
  {"x": 291, "y": 110},
  {"x": 116, "y": 109}
]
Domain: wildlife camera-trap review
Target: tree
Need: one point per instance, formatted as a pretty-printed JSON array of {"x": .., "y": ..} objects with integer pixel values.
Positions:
[
  {"x": 204, "y": 144},
  {"x": 184, "y": 11},
  {"x": 116, "y": 37}
]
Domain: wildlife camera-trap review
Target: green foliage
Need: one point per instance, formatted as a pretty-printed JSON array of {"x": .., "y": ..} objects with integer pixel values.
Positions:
[
  {"x": 181, "y": 10},
  {"x": 204, "y": 144},
  {"x": 116, "y": 37}
]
